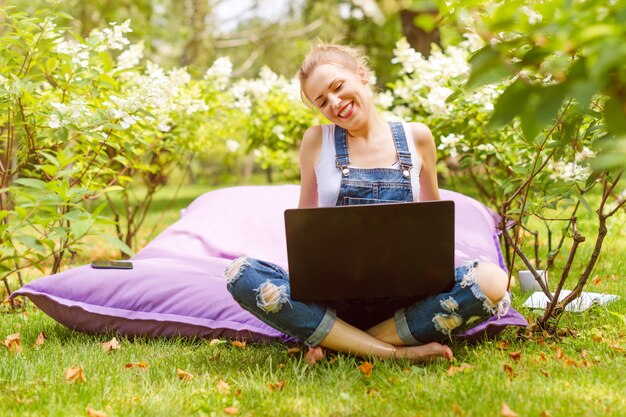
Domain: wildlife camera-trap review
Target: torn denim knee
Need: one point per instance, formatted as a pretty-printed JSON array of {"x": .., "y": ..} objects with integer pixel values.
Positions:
[
  {"x": 270, "y": 298},
  {"x": 235, "y": 269},
  {"x": 469, "y": 280}
]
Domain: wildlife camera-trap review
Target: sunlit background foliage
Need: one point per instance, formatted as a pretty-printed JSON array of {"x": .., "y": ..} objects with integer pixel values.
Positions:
[{"x": 102, "y": 103}]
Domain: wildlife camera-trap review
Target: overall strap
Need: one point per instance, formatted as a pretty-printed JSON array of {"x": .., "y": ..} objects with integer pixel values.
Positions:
[
  {"x": 404, "y": 156},
  {"x": 342, "y": 160}
]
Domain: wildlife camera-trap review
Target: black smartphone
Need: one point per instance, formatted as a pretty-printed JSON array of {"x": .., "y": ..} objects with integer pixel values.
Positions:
[{"x": 112, "y": 265}]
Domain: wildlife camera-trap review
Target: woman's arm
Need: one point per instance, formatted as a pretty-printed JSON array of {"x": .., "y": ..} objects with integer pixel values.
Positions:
[
  {"x": 309, "y": 154},
  {"x": 425, "y": 145}
]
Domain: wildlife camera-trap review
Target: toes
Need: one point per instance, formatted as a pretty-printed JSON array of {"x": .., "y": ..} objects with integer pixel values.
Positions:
[{"x": 314, "y": 355}]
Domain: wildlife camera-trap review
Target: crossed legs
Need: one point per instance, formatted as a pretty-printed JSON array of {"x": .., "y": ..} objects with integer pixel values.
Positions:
[{"x": 265, "y": 293}]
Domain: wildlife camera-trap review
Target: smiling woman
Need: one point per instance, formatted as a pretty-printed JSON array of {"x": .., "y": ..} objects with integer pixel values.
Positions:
[{"x": 362, "y": 159}]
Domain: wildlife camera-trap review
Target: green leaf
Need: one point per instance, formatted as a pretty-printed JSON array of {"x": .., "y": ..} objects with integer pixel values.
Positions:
[
  {"x": 119, "y": 244},
  {"x": 510, "y": 104},
  {"x": 30, "y": 242},
  {"x": 583, "y": 200},
  {"x": 426, "y": 21},
  {"x": 51, "y": 64},
  {"x": 31, "y": 182},
  {"x": 550, "y": 102},
  {"x": 62, "y": 134},
  {"x": 519, "y": 169},
  {"x": 583, "y": 91},
  {"x": 487, "y": 67},
  {"x": 615, "y": 115},
  {"x": 79, "y": 228}
]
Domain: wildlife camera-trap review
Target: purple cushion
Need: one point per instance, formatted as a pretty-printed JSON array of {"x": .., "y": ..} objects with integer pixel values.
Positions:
[{"x": 177, "y": 288}]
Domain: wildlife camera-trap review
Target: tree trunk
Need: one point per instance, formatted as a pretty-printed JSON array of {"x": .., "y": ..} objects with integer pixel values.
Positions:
[
  {"x": 195, "y": 50},
  {"x": 419, "y": 39}
]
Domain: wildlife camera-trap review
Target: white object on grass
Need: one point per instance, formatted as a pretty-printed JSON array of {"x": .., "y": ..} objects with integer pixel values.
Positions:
[{"x": 580, "y": 304}]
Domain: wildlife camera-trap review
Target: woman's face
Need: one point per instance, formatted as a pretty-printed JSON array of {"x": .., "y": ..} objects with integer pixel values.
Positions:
[{"x": 341, "y": 94}]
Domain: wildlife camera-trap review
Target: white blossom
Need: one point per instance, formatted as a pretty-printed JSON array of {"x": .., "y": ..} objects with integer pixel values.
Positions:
[
  {"x": 48, "y": 29},
  {"x": 75, "y": 113},
  {"x": 220, "y": 72},
  {"x": 486, "y": 147},
  {"x": 4, "y": 82},
  {"x": 371, "y": 9},
  {"x": 78, "y": 51},
  {"x": 111, "y": 38},
  {"x": 584, "y": 154},
  {"x": 449, "y": 143},
  {"x": 436, "y": 100},
  {"x": 472, "y": 42},
  {"x": 279, "y": 131},
  {"x": 130, "y": 57},
  {"x": 232, "y": 145},
  {"x": 242, "y": 101},
  {"x": 384, "y": 99},
  {"x": 533, "y": 16},
  {"x": 164, "y": 124},
  {"x": 570, "y": 171}
]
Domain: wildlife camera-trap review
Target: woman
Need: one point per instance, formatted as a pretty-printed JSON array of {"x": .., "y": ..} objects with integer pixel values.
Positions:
[{"x": 362, "y": 159}]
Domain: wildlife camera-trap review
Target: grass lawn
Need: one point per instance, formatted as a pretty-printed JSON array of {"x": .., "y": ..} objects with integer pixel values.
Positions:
[{"x": 579, "y": 375}]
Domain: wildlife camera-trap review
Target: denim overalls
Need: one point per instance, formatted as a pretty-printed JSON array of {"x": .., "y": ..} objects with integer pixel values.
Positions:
[{"x": 262, "y": 288}]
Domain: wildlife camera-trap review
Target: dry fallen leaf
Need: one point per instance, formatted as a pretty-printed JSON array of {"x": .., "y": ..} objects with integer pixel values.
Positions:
[
  {"x": 94, "y": 413},
  {"x": 110, "y": 346},
  {"x": 140, "y": 365},
  {"x": 277, "y": 386},
  {"x": 41, "y": 339},
  {"x": 545, "y": 373},
  {"x": 515, "y": 355},
  {"x": 215, "y": 356},
  {"x": 75, "y": 374},
  {"x": 502, "y": 344},
  {"x": 366, "y": 368},
  {"x": 509, "y": 371},
  {"x": 544, "y": 413},
  {"x": 559, "y": 353},
  {"x": 457, "y": 410},
  {"x": 507, "y": 412},
  {"x": 240, "y": 345},
  {"x": 13, "y": 343},
  {"x": 584, "y": 353},
  {"x": 454, "y": 369},
  {"x": 597, "y": 337},
  {"x": 569, "y": 362},
  {"x": 214, "y": 342},
  {"x": 222, "y": 387},
  {"x": 184, "y": 376},
  {"x": 596, "y": 280},
  {"x": 543, "y": 356},
  {"x": 293, "y": 350},
  {"x": 231, "y": 410}
]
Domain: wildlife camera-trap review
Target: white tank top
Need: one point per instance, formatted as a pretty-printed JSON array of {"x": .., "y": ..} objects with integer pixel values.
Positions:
[{"x": 329, "y": 176}]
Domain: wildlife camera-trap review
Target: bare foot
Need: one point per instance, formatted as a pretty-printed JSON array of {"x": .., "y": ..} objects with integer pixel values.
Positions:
[
  {"x": 314, "y": 355},
  {"x": 425, "y": 353}
]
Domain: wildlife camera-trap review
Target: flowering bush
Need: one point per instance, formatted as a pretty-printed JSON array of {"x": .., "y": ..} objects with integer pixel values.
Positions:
[
  {"x": 89, "y": 118},
  {"x": 524, "y": 114}
]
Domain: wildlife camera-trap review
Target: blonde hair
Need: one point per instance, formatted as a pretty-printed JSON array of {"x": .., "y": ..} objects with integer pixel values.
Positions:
[{"x": 329, "y": 53}]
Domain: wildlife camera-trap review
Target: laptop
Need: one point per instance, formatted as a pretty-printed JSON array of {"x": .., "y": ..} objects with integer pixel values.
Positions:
[{"x": 370, "y": 251}]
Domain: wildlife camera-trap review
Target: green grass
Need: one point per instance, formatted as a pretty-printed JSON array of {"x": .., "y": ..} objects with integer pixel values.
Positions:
[{"x": 32, "y": 383}]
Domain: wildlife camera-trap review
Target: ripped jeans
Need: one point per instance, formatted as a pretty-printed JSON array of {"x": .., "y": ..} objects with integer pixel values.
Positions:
[{"x": 262, "y": 288}]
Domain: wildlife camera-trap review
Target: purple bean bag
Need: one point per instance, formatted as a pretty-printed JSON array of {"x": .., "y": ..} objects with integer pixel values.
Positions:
[{"x": 176, "y": 287}]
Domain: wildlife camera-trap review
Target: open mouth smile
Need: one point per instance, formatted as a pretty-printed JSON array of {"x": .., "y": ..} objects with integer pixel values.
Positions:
[{"x": 346, "y": 111}]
